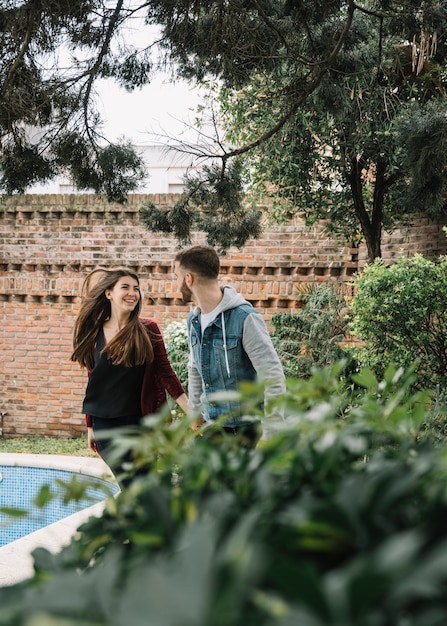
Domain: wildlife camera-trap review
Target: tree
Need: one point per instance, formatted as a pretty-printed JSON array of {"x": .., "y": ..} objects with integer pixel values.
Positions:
[
  {"x": 339, "y": 110},
  {"x": 321, "y": 96},
  {"x": 52, "y": 54},
  {"x": 237, "y": 42},
  {"x": 367, "y": 148},
  {"x": 48, "y": 120}
]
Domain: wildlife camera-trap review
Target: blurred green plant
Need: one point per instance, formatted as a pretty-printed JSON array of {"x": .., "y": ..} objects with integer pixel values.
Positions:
[{"x": 337, "y": 517}]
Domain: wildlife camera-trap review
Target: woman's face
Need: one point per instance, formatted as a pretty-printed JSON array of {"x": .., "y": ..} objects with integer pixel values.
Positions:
[{"x": 125, "y": 295}]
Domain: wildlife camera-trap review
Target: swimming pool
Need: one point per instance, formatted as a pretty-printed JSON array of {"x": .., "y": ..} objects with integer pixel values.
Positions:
[{"x": 19, "y": 486}]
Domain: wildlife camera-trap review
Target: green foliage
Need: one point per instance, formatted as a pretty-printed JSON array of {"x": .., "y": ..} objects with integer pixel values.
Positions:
[
  {"x": 313, "y": 336},
  {"x": 234, "y": 40},
  {"x": 422, "y": 135},
  {"x": 114, "y": 170},
  {"x": 284, "y": 44},
  {"x": 22, "y": 165},
  {"x": 52, "y": 53},
  {"x": 335, "y": 518},
  {"x": 134, "y": 70},
  {"x": 119, "y": 171},
  {"x": 176, "y": 339},
  {"x": 400, "y": 314},
  {"x": 364, "y": 150},
  {"x": 317, "y": 97},
  {"x": 214, "y": 205}
]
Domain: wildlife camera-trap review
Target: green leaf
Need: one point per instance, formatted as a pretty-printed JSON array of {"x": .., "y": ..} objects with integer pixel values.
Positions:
[
  {"x": 366, "y": 378},
  {"x": 13, "y": 512},
  {"x": 44, "y": 496}
]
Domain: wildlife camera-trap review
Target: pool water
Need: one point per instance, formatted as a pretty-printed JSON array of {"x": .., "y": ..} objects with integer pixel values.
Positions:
[{"x": 20, "y": 485}]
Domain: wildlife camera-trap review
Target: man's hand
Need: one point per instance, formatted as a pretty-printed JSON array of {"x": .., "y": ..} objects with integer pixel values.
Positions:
[{"x": 197, "y": 423}]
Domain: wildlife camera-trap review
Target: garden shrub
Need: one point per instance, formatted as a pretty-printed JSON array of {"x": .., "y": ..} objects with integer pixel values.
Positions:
[
  {"x": 400, "y": 314},
  {"x": 176, "y": 341},
  {"x": 313, "y": 337},
  {"x": 336, "y": 518}
]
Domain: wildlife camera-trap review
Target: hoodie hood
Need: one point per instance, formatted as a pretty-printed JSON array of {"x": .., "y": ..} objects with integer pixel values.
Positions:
[{"x": 231, "y": 299}]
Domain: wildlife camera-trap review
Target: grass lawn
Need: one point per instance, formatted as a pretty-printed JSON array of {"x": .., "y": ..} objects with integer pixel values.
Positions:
[{"x": 47, "y": 445}]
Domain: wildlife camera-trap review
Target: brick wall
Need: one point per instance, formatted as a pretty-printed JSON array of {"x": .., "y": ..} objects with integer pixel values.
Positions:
[{"x": 49, "y": 243}]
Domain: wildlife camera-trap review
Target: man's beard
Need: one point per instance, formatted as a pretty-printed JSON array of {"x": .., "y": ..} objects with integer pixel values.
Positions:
[{"x": 186, "y": 292}]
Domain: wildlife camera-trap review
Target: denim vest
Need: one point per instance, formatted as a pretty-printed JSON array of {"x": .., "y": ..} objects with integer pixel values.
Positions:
[{"x": 221, "y": 360}]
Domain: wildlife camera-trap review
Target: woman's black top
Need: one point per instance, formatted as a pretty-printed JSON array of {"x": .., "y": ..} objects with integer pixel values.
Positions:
[{"x": 112, "y": 390}]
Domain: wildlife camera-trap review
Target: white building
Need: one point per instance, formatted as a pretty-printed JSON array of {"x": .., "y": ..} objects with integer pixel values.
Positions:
[{"x": 166, "y": 169}]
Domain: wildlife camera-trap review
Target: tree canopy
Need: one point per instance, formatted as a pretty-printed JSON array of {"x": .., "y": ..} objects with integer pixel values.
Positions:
[
  {"x": 52, "y": 54},
  {"x": 365, "y": 150},
  {"x": 335, "y": 108},
  {"x": 338, "y": 110}
]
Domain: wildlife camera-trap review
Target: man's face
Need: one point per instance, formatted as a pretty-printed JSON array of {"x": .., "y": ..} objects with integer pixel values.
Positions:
[{"x": 182, "y": 287}]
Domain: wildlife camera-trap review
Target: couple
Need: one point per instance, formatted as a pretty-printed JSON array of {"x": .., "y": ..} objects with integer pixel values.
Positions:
[{"x": 125, "y": 356}]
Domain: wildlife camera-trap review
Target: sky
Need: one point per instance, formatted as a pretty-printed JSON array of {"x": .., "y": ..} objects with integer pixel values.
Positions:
[
  {"x": 159, "y": 108},
  {"x": 148, "y": 115},
  {"x": 162, "y": 107},
  {"x": 144, "y": 117}
]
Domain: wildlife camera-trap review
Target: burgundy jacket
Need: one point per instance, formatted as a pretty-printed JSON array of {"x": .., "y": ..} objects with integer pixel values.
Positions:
[{"x": 159, "y": 377}]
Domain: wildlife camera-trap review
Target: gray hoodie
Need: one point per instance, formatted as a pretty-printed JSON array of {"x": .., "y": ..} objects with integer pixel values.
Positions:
[{"x": 234, "y": 347}]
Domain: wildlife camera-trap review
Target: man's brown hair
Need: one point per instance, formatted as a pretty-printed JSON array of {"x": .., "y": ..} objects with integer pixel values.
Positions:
[{"x": 200, "y": 260}]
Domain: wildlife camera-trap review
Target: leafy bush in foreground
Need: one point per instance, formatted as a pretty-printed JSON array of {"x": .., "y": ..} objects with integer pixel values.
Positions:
[{"x": 338, "y": 517}]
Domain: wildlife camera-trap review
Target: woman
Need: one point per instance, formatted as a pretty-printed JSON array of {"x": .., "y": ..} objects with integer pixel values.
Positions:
[{"x": 125, "y": 355}]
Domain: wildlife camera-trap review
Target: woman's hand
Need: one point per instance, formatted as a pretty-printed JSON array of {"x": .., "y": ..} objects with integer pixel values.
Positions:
[
  {"x": 182, "y": 401},
  {"x": 91, "y": 440}
]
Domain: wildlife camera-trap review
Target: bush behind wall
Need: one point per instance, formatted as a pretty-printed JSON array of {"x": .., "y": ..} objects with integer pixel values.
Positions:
[{"x": 399, "y": 312}]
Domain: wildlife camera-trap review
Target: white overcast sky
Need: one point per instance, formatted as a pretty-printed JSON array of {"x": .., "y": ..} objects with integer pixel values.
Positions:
[{"x": 162, "y": 107}]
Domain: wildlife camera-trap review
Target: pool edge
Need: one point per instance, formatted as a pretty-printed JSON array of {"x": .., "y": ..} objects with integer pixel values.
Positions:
[{"x": 16, "y": 562}]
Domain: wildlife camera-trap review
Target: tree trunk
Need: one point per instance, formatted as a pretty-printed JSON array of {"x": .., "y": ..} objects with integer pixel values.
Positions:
[{"x": 371, "y": 227}]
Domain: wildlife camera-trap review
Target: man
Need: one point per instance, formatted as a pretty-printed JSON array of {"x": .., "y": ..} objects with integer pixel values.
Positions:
[{"x": 229, "y": 343}]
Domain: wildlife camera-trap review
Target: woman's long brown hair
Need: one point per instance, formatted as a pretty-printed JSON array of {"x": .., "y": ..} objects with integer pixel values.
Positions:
[{"x": 131, "y": 345}]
